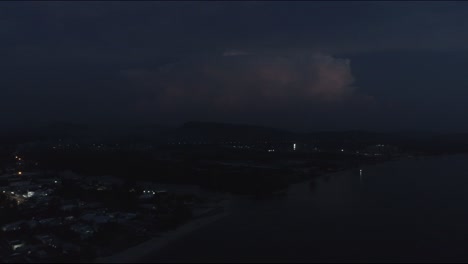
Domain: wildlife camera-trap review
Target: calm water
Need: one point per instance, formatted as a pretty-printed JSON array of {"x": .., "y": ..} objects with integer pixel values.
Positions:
[{"x": 409, "y": 210}]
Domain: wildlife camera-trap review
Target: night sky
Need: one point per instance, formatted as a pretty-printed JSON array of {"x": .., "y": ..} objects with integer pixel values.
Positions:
[{"x": 383, "y": 66}]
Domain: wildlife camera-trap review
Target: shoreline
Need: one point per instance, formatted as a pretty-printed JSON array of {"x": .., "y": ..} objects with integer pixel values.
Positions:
[{"x": 137, "y": 253}]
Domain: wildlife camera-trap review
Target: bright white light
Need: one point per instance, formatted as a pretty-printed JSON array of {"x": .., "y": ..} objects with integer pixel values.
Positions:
[
  {"x": 342, "y": 150},
  {"x": 294, "y": 146}
]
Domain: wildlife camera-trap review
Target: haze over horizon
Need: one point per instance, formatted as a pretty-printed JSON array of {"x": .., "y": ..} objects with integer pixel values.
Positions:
[{"x": 300, "y": 66}]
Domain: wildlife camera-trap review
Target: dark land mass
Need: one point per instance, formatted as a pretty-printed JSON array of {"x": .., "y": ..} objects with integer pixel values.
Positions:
[
  {"x": 223, "y": 157},
  {"x": 116, "y": 200}
]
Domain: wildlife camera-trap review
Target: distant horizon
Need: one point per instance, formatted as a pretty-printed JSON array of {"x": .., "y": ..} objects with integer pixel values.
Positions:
[{"x": 43, "y": 125}]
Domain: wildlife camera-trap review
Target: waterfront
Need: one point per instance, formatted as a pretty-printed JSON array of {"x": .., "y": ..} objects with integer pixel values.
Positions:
[
  {"x": 407, "y": 210},
  {"x": 163, "y": 239}
]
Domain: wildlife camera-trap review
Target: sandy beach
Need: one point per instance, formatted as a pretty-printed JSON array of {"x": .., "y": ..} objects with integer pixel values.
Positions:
[{"x": 136, "y": 253}]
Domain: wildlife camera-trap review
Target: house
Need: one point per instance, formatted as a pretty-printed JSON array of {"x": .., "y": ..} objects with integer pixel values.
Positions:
[
  {"x": 124, "y": 217},
  {"x": 51, "y": 222},
  {"x": 16, "y": 244},
  {"x": 49, "y": 240},
  {"x": 13, "y": 226},
  {"x": 85, "y": 231},
  {"x": 68, "y": 207},
  {"x": 147, "y": 195},
  {"x": 97, "y": 219}
]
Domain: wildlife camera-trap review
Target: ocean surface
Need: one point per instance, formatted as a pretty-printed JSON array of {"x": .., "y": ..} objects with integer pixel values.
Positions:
[{"x": 411, "y": 210}]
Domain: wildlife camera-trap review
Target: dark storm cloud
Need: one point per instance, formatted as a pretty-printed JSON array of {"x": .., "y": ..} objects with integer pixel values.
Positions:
[
  {"x": 247, "y": 80},
  {"x": 152, "y": 61},
  {"x": 255, "y": 86}
]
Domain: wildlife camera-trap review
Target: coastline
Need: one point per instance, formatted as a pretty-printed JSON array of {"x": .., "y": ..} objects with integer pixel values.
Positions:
[{"x": 137, "y": 253}]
